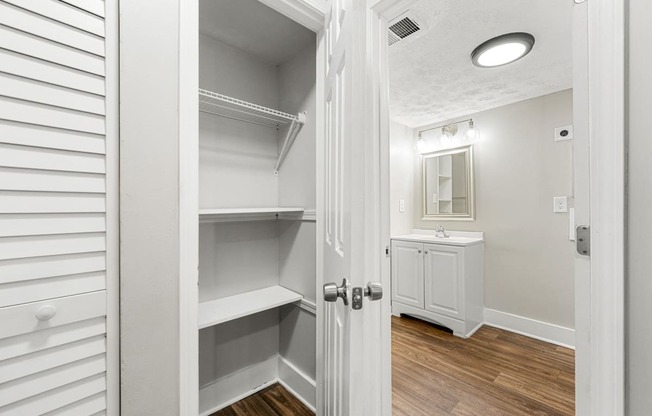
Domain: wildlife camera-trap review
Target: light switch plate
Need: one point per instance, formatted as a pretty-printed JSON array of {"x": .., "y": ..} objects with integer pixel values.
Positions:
[
  {"x": 401, "y": 205},
  {"x": 560, "y": 204}
]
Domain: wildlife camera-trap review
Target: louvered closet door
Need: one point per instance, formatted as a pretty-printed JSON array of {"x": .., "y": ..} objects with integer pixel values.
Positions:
[{"x": 58, "y": 207}]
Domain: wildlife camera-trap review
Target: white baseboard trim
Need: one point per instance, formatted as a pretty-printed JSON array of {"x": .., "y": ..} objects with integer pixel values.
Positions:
[
  {"x": 543, "y": 331},
  {"x": 250, "y": 380},
  {"x": 235, "y": 387},
  {"x": 297, "y": 383}
]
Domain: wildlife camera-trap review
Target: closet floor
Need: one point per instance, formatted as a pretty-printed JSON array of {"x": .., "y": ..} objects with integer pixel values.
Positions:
[
  {"x": 493, "y": 373},
  {"x": 272, "y": 401}
]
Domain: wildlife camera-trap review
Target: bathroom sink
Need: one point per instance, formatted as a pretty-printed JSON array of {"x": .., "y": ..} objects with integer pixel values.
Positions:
[{"x": 457, "y": 238}]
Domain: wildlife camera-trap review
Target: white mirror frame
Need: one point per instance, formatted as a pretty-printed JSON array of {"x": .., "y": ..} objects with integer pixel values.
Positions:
[{"x": 470, "y": 192}]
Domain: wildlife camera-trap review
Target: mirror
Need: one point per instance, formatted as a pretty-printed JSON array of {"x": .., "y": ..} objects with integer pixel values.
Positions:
[{"x": 448, "y": 184}]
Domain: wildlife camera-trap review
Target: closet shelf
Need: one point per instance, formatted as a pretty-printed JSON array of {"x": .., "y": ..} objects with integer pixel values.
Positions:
[
  {"x": 224, "y": 106},
  {"x": 249, "y": 214},
  {"x": 233, "y": 307}
]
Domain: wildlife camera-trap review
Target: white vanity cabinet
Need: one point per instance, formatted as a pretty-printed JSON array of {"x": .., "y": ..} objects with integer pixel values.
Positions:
[{"x": 440, "y": 279}]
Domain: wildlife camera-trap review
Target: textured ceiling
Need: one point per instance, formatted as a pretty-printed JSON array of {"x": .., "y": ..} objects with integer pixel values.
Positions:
[
  {"x": 432, "y": 78},
  {"x": 253, "y": 27}
]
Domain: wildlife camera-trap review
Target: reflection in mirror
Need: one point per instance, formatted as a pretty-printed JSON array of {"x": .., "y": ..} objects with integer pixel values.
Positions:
[{"x": 448, "y": 184}]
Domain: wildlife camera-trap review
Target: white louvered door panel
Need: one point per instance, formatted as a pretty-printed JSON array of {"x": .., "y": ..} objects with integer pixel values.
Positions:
[{"x": 58, "y": 207}]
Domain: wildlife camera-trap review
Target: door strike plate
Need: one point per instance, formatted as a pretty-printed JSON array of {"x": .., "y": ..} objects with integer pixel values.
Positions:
[
  {"x": 584, "y": 240},
  {"x": 357, "y": 298}
]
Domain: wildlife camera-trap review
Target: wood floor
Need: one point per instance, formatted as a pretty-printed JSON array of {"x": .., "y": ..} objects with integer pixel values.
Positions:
[
  {"x": 272, "y": 401},
  {"x": 494, "y": 373}
]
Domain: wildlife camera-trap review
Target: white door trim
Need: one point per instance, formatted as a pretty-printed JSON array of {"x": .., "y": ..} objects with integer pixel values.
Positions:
[
  {"x": 606, "y": 33},
  {"x": 112, "y": 58},
  {"x": 381, "y": 12},
  {"x": 188, "y": 207}
]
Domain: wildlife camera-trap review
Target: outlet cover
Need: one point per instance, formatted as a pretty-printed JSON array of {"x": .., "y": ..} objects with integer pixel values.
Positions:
[{"x": 560, "y": 204}]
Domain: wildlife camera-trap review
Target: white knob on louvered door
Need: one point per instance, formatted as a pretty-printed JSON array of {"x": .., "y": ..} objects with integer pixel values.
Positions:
[{"x": 45, "y": 313}]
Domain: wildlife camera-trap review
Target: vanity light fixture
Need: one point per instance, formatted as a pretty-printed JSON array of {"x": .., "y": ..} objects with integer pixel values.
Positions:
[
  {"x": 420, "y": 145},
  {"x": 502, "y": 50},
  {"x": 448, "y": 134},
  {"x": 472, "y": 132}
]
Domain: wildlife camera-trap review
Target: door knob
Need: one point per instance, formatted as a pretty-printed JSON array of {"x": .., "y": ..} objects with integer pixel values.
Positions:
[
  {"x": 45, "y": 313},
  {"x": 374, "y": 291},
  {"x": 332, "y": 292}
]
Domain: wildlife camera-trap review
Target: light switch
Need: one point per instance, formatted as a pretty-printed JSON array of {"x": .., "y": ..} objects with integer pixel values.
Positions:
[
  {"x": 401, "y": 205},
  {"x": 560, "y": 204}
]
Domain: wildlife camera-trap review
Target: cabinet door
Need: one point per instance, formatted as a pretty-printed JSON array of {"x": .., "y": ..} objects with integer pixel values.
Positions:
[
  {"x": 444, "y": 280},
  {"x": 407, "y": 273}
]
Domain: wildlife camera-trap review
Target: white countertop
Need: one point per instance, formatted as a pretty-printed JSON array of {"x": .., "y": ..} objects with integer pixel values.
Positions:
[{"x": 457, "y": 238}]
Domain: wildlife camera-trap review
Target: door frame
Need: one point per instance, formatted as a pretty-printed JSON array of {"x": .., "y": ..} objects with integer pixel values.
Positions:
[
  {"x": 309, "y": 13},
  {"x": 606, "y": 125},
  {"x": 606, "y": 65}
]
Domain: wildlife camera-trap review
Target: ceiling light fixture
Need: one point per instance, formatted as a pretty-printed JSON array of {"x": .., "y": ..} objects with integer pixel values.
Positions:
[{"x": 502, "y": 50}]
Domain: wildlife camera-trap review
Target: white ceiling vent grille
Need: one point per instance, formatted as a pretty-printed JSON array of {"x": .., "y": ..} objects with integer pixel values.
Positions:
[{"x": 403, "y": 28}]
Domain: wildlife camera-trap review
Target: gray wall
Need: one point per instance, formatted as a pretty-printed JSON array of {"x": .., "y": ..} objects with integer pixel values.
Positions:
[
  {"x": 639, "y": 261},
  {"x": 149, "y": 201},
  {"x": 529, "y": 269}
]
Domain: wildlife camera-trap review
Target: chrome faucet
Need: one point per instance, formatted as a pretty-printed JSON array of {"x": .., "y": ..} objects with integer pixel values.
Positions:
[{"x": 440, "y": 232}]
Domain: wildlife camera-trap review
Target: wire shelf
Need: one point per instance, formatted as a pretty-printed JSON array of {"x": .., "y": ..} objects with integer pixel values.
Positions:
[
  {"x": 224, "y": 106},
  {"x": 229, "y": 107}
]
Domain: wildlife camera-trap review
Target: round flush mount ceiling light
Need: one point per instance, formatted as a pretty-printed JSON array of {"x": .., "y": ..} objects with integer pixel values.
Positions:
[{"x": 502, "y": 50}]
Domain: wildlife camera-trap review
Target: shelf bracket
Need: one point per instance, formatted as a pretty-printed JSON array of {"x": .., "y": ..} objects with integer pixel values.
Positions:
[{"x": 293, "y": 131}]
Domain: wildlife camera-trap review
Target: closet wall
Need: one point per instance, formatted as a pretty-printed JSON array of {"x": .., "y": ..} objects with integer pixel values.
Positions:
[{"x": 236, "y": 170}]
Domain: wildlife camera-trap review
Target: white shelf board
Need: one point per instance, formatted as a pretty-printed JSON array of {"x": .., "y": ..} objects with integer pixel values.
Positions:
[
  {"x": 248, "y": 214},
  {"x": 233, "y": 307}
]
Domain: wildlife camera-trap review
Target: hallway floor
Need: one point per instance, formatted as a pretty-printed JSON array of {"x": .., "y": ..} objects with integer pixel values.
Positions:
[{"x": 493, "y": 373}]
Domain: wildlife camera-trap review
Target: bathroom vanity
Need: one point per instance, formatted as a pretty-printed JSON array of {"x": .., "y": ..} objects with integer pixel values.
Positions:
[{"x": 440, "y": 279}]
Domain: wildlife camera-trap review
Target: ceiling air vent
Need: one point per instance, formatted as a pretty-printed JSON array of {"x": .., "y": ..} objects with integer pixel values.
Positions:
[{"x": 402, "y": 29}]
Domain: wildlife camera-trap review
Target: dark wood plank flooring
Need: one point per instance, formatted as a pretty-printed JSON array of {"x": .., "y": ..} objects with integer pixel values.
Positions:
[
  {"x": 494, "y": 373},
  {"x": 272, "y": 401}
]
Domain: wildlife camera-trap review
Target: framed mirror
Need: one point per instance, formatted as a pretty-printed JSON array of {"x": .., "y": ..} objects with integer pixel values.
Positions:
[{"x": 448, "y": 184}]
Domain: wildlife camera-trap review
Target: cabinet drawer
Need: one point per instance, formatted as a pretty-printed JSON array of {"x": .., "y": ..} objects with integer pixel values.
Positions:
[{"x": 21, "y": 319}]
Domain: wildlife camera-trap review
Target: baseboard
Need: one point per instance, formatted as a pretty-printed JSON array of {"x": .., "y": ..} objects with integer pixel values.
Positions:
[
  {"x": 297, "y": 383},
  {"x": 235, "y": 387},
  {"x": 543, "y": 331}
]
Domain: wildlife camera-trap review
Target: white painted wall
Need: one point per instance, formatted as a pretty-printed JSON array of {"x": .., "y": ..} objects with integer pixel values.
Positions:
[
  {"x": 149, "y": 201},
  {"x": 639, "y": 222},
  {"x": 297, "y": 185},
  {"x": 236, "y": 159},
  {"x": 401, "y": 165},
  {"x": 518, "y": 169}
]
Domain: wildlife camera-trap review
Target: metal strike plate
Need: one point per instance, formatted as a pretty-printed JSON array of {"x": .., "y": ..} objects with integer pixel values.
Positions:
[
  {"x": 583, "y": 233},
  {"x": 357, "y": 298}
]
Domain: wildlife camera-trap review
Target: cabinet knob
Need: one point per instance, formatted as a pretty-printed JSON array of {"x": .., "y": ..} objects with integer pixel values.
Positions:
[
  {"x": 419, "y": 251},
  {"x": 45, "y": 313},
  {"x": 426, "y": 252}
]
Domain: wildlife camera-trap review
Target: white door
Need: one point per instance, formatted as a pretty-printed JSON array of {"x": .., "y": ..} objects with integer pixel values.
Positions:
[
  {"x": 58, "y": 207},
  {"x": 444, "y": 279},
  {"x": 407, "y": 273},
  {"x": 348, "y": 361}
]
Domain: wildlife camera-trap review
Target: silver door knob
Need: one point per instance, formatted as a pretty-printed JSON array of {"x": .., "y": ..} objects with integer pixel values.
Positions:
[
  {"x": 332, "y": 292},
  {"x": 374, "y": 291}
]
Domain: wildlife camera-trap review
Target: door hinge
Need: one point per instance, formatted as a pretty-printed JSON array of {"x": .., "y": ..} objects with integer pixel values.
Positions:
[
  {"x": 388, "y": 251},
  {"x": 583, "y": 240}
]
